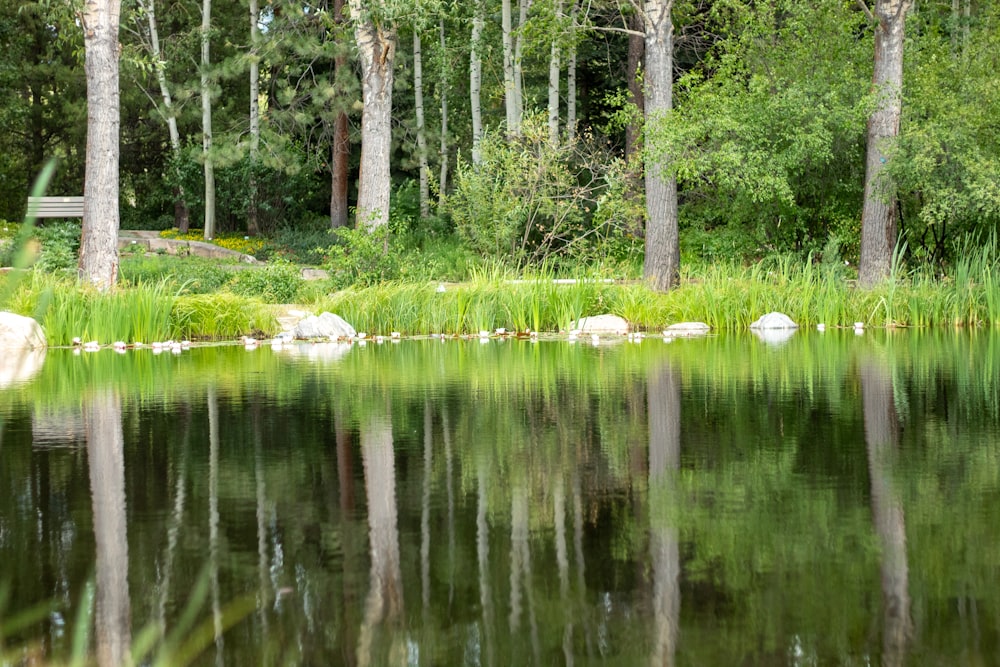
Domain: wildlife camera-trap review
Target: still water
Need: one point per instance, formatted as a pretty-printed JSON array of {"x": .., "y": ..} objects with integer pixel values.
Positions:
[{"x": 831, "y": 500}]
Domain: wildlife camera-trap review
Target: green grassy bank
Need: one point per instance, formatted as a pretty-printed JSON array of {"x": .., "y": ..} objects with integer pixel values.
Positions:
[{"x": 727, "y": 297}]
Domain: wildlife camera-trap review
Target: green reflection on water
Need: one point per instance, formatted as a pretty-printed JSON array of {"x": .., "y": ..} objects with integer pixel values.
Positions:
[{"x": 715, "y": 501}]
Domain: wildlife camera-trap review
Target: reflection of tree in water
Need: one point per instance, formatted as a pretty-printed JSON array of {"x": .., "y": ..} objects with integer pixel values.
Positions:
[
  {"x": 384, "y": 604},
  {"x": 882, "y": 440},
  {"x": 106, "y": 457},
  {"x": 664, "y": 460}
]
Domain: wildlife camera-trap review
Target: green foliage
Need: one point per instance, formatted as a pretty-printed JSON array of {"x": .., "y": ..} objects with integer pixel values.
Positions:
[
  {"x": 529, "y": 201},
  {"x": 60, "y": 246},
  {"x": 945, "y": 163},
  {"x": 767, "y": 135},
  {"x": 361, "y": 257},
  {"x": 277, "y": 282}
]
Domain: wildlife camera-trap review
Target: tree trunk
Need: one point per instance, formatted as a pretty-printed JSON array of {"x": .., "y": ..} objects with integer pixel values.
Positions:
[
  {"x": 418, "y": 103},
  {"x": 341, "y": 150},
  {"x": 182, "y": 218},
  {"x": 106, "y": 459},
  {"x": 253, "y": 225},
  {"x": 522, "y": 19},
  {"x": 377, "y": 49},
  {"x": 509, "y": 97},
  {"x": 99, "y": 236},
  {"x": 878, "y": 216},
  {"x": 882, "y": 440},
  {"x": 555, "y": 69},
  {"x": 636, "y": 52},
  {"x": 571, "y": 76},
  {"x": 206, "y": 119},
  {"x": 443, "y": 177},
  {"x": 662, "y": 252},
  {"x": 476, "y": 82}
]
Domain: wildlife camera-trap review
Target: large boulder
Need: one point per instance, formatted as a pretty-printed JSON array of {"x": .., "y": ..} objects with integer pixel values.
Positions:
[
  {"x": 774, "y": 321},
  {"x": 325, "y": 325},
  {"x": 601, "y": 324},
  {"x": 687, "y": 330},
  {"x": 18, "y": 332}
]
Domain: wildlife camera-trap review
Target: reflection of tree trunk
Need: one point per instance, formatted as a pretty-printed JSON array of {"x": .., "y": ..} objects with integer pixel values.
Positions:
[
  {"x": 483, "y": 556},
  {"x": 664, "y": 461},
  {"x": 520, "y": 567},
  {"x": 450, "y": 486},
  {"x": 562, "y": 563},
  {"x": 175, "y": 521},
  {"x": 345, "y": 483},
  {"x": 213, "y": 519},
  {"x": 106, "y": 456},
  {"x": 264, "y": 594},
  {"x": 581, "y": 581},
  {"x": 385, "y": 593},
  {"x": 425, "y": 513},
  {"x": 882, "y": 439}
]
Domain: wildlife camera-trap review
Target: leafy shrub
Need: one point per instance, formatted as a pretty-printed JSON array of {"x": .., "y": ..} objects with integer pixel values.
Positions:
[
  {"x": 278, "y": 282},
  {"x": 361, "y": 257},
  {"x": 60, "y": 246}
]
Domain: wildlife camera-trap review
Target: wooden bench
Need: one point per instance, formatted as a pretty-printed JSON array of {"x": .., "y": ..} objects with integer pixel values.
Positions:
[{"x": 55, "y": 207}]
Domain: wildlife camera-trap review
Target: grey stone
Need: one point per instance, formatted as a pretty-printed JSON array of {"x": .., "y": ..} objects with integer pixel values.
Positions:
[
  {"x": 314, "y": 274},
  {"x": 774, "y": 321},
  {"x": 601, "y": 324},
  {"x": 20, "y": 333},
  {"x": 326, "y": 325}
]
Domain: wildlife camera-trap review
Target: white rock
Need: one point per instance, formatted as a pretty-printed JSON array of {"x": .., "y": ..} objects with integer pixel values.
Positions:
[
  {"x": 18, "y": 332},
  {"x": 326, "y": 325},
  {"x": 774, "y": 321},
  {"x": 601, "y": 324}
]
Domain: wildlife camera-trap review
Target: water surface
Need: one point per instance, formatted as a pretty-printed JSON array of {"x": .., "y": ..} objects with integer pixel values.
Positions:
[{"x": 830, "y": 500}]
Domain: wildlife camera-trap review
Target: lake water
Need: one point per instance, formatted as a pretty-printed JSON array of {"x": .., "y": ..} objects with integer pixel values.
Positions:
[{"x": 831, "y": 500}]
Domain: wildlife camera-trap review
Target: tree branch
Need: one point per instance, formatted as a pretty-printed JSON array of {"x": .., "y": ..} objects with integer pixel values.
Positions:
[{"x": 864, "y": 7}]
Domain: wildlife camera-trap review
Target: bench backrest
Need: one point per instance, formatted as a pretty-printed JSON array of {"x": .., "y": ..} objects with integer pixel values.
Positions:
[{"x": 55, "y": 207}]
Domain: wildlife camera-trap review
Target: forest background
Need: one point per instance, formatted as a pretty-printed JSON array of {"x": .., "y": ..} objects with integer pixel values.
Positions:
[{"x": 766, "y": 138}]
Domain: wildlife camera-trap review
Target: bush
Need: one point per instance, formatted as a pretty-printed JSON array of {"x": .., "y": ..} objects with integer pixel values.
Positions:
[{"x": 60, "y": 246}]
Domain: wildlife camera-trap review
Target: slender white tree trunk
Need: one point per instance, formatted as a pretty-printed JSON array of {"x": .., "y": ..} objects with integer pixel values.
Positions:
[
  {"x": 509, "y": 96},
  {"x": 878, "y": 215},
  {"x": 443, "y": 176},
  {"x": 662, "y": 252},
  {"x": 181, "y": 215},
  {"x": 377, "y": 51},
  {"x": 522, "y": 19},
  {"x": 555, "y": 69},
  {"x": 418, "y": 103},
  {"x": 476, "y": 82},
  {"x": 571, "y": 75},
  {"x": 99, "y": 235},
  {"x": 206, "y": 119},
  {"x": 253, "y": 226}
]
